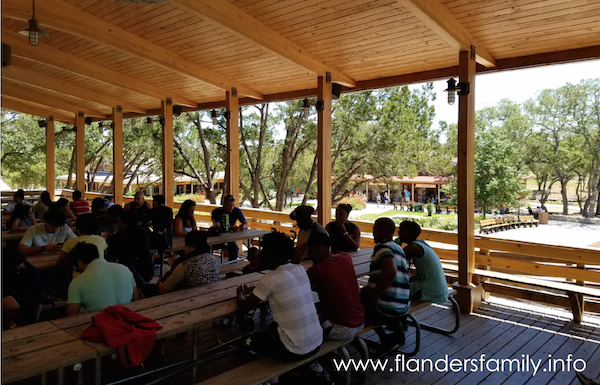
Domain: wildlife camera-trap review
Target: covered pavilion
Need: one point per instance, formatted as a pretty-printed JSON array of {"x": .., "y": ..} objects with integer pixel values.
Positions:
[{"x": 110, "y": 60}]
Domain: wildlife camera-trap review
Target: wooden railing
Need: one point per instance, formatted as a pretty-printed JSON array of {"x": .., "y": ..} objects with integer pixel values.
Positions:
[{"x": 576, "y": 265}]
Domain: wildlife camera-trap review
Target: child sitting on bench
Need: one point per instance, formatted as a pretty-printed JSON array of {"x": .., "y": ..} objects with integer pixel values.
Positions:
[
  {"x": 430, "y": 282},
  {"x": 333, "y": 277},
  {"x": 256, "y": 263},
  {"x": 386, "y": 296},
  {"x": 296, "y": 332}
]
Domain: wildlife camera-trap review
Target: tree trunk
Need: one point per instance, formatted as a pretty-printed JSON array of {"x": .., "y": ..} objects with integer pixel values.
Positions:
[
  {"x": 311, "y": 179},
  {"x": 69, "y": 184},
  {"x": 590, "y": 211},
  {"x": 563, "y": 193}
]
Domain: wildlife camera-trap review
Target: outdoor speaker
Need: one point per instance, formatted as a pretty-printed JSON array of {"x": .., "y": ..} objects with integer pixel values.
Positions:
[
  {"x": 176, "y": 110},
  {"x": 88, "y": 120},
  {"x": 336, "y": 90},
  {"x": 6, "y": 55}
]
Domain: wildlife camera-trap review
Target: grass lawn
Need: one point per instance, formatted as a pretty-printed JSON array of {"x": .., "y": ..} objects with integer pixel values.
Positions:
[{"x": 391, "y": 213}]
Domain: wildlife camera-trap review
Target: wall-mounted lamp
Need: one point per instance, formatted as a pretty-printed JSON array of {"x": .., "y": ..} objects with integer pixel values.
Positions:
[
  {"x": 33, "y": 32},
  {"x": 42, "y": 123},
  {"x": 319, "y": 106},
  {"x": 177, "y": 110},
  {"x": 214, "y": 116},
  {"x": 453, "y": 89},
  {"x": 88, "y": 120},
  {"x": 150, "y": 122}
]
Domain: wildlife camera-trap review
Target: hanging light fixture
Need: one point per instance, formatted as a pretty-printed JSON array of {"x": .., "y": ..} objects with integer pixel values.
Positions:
[
  {"x": 214, "y": 117},
  {"x": 33, "y": 32},
  {"x": 453, "y": 89}
]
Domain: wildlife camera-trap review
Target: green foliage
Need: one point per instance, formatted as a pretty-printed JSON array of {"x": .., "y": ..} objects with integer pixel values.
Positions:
[
  {"x": 198, "y": 198},
  {"x": 355, "y": 201}
]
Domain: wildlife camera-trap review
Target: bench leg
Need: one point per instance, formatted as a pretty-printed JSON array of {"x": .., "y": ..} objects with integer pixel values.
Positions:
[
  {"x": 98, "y": 375},
  {"x": 61, "y": 376},
  {"x": 195, "y": 354},
  {"x": 576, "y": 301},
  {"x": 456, "y": 310},
  {"x": 383, "y": 350},
  {"x": 43, "y": 379}
]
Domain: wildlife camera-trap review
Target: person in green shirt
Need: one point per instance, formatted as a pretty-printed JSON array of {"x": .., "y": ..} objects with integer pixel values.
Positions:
[{"x": 430, "y": 282}]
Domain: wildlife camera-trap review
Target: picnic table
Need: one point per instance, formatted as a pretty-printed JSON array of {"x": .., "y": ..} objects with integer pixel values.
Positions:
[
  {"x": 234, "y": 236},
  {"x": 40, "y": 348}
]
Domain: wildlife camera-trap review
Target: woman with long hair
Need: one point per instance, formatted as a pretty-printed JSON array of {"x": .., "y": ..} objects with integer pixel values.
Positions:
[{"x": 184, "y": 220}]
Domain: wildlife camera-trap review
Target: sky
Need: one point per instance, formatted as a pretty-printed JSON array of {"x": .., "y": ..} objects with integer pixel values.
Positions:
[{"x": 516, "y": 85}]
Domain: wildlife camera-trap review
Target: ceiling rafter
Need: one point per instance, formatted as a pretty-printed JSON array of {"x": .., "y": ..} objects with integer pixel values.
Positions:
[
  {"x": 15, "y": 91},
  {"x": 436, "y": 17},
  {"x": 33, "y": 78},
  {"x": 46, "y": 54},
  {"x": 58, "y": 15},
  {"x": 250, "y": 29},
  {"x": 43, "y": 112}
]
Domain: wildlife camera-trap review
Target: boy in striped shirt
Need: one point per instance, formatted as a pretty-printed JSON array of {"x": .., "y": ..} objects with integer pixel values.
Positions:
[{"x": 386, "y": 298}]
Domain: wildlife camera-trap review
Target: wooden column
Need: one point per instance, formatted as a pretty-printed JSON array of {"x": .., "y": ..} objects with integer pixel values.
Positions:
[
  {"x": 469, "y": 298},
  {"x": 50, "y": 156},
  {"x": 118, "y": 154},
  {"x": 167, "y": 150},
  {"x": 80, "y": 153},
  {"x": 324, "y": 150},
  {"x": 233, "y": 144}
]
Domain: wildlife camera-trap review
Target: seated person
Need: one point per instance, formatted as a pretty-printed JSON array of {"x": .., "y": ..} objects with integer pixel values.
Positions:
[
  {"x": 308, "y": 227},
  {"x": 65, "y": 207},
  {"x": 139, "y": 205},
  {"x": 101, "y": 283},
  {"x": 184, "y": 220},
  {"x": 109, "y": 201},
  {"x": 196, "y": 268},
  {"x": 130, "y": 246},
  {"x": 296, "y": 332},
  {"x": 19, "y": 197},
  {"x": 345, "y": 235},
  {"x": 88, "y": 230},
  {"x": 21, "y": 218},
  {"x": 48, "y": 236},
  {"x": 43, "y": 205},
  {"x": 98, "y": 207},
  {"x": 79, "y": 205},
  {"x": 430, "y": 282},
  {"x": 256, "y": 263},
  {"x": 161, "y": 220},
  {"x": 386, "y": 296},
  {"x": 334, "y": 278},
  {"x": 21, "y": 290},
  {"x": 108, "y": 223},
  {"x": 227, "y": 217}
]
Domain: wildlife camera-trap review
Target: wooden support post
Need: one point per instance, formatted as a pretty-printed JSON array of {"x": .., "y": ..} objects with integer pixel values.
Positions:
[
  {"x": 168, "y": 168},
  {"x": 118, "y": 154},
  {"x": 233, "y": 144},
  {"x": 324, "y": 150},
  {"x": 50, "y": 156},
  {"x": 80, "y": 153},
  {"x": 468, "y": 298}
]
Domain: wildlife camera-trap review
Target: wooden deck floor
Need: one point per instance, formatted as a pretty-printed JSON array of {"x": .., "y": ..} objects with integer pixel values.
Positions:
[
  {"x": 505, "y": 330},
  {"x": 500, "y": 329}
]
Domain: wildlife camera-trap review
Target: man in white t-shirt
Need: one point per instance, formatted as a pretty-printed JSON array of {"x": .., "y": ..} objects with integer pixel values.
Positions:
[
  {"x": 48, "y": 236},
  {"x": 296, "y": 331}
]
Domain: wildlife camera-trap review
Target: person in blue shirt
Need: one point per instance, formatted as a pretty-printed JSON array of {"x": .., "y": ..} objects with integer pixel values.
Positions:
[{"x": 229, "y": 218}]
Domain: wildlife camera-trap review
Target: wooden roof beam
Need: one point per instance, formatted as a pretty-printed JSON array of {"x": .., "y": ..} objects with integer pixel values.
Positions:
[
  {"x": 15, "y": 91},
  {"x": 19, "y": 106},
  {"x": 29, "y": 77},
  {"x": 46, "y": 54},
  {"x": 436, "y": 17},
  {"x": 72, "y": 20},
  {"x": 248, "y": 28}
]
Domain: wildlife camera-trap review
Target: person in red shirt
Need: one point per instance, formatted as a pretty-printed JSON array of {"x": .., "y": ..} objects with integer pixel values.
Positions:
[
  {"x": 333, "y": 277},
  {"x": 79, "y": 205}
]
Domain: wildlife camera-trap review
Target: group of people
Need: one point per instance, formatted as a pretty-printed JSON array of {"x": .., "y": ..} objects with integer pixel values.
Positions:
[
  {"x": 105, "y": 255},
  {"x": 298, "y": 329}
]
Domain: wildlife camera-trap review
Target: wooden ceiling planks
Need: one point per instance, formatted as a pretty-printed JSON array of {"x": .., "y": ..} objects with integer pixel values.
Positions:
[{"x": 365, "y": 39}]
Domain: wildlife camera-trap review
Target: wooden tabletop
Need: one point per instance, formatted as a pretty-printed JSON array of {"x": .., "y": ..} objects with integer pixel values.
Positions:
[
  {"x": 12, "y": 235},
  {"x": 234, "y": 236},
  {"x": 43, "y": 261},
  {"x": 35, "y": 349},
  {"x": 361, "y": 259}
]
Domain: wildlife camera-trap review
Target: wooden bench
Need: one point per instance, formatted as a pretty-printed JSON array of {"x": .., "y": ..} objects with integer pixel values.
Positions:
[
  {"x": 574, "y": 292},
  {"x": 528, "y": 220}
]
